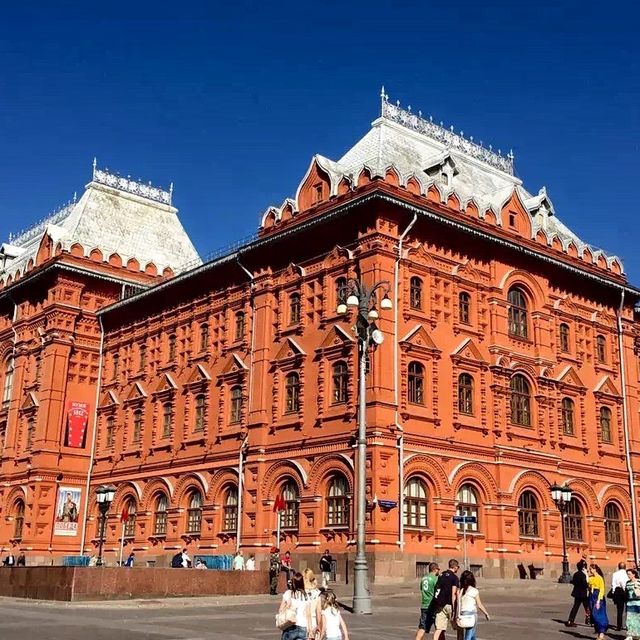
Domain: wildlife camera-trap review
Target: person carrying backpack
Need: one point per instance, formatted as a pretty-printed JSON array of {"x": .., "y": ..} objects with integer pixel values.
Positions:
[
  {"x": 176, "y": 561},
  {"x": 445, "y": 598}
]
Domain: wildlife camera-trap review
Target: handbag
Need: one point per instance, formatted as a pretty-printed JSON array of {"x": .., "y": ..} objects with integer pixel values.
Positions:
[
  {"x": 286, "y": 618},
  {"x": 466, "y": 620}
]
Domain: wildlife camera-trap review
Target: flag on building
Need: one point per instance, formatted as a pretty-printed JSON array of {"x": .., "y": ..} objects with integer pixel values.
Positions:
[{"x": 279, "y": 504}]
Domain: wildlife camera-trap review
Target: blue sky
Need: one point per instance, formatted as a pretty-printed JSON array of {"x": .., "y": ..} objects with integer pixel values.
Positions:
[{"x": 230, "y": 102}]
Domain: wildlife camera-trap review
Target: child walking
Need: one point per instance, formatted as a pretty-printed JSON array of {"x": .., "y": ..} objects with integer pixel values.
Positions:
[{"x": 332, "y": 626}]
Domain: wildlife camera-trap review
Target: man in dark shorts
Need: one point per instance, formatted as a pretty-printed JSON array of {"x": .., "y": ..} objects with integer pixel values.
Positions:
[
  {"x": 445, "y": 598},
  {"x": 427, "y": 589}
]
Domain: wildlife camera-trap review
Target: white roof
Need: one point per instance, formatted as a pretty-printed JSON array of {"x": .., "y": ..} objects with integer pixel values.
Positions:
[{"x": 113, "y": 217}]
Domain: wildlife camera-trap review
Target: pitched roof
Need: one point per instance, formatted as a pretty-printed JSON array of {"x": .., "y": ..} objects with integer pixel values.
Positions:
[{"x": 114, "y": 215}]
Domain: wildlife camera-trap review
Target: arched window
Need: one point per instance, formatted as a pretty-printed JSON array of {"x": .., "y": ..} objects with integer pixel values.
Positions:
[
  {"x": 292, "y": 392},
  {"x": 415, "y": 503},
  {"x": 8, "y": 383},
  {"x": 167, "y": 419},
  {"x": 240, "y": 325},
  {"x": 341, "y": 291},
  {"x": 465, "y": 393},
  {"x": 3, "y": 435},
  {"x": 236, "y": 404},
  {"x": 294, "y": 308},
  {"x": 601, "y": 349},
  {"x": 415, "y": 381},
  {"x": 339, "y": 376},
  {"x": 564, "y": 338},
  {"x": 137, "y": 425},
  {"x": 204, "y": 337},
  {"x": 31, "y": 431},
  {"x": 289, "y": 516},
  {"x": 337, "y": 502},
  {"x": 115, "y": 365},
  {"x": 171, "y": 351},
  {"x": 200, "y": 413},
  {"x": 612, "y": 524},
  {"x": 415, "y": 293},
  {"x": 464, "y": 307},
  {"x": 230, "y": 509},
  {"x": 568, "y": 411},
  {"x": 143, "y": 358},
  {"x": 130, "y": 522},
  {"x": 18, "y": 520},
  {"x": 605, "y": 424},
  {"x": 573, "y": 521},
  {"x": 528, "y": 514},
  {"x": 194, "y": 513},
  {"x": 467, "y": 505},
  {"x": 111, "y": 428},
  {"x": 520, "y": 401},
  {"x": 518, "y": 322},
  {"x": 160, "y": 515}
]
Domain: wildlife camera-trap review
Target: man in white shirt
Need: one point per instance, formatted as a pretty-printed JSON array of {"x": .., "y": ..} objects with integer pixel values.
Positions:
[
  {"x": 238, "y": 561},
  {"x": 618, "y": 586},
  {"x": 186, "y": 560}
]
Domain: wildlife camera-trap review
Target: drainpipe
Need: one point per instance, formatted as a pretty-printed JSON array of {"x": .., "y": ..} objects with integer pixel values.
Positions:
[
  {"x": 245, "y": 441},
  {"x": 625, "y": 428},
  {"x": 13, "y": 357},
  {"x": 400, "y": 441},
  {"x": 94, "y": 437}
]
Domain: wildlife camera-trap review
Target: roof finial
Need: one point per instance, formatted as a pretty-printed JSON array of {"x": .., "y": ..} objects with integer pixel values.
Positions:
[
  {"x": 170, "y": 192},
  {"x": 75, "y": 196},
  {"x": 95, "y": 164},
  {"x": 511, "y": 156}
]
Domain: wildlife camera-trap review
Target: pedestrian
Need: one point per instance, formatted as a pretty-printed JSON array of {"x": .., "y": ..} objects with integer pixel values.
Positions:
[
  {"x": 22, "y": 560},
  {"x": 313, "y": 594},
  {"x": 295, "y": 598},
  {"x": 186, "y": 560},
  {"x": 286, "y": 567},
  {"x": 250, "y": 565},
  {"x": 274, "y": 570},
  {"x": 332, "y": 626},
  {"x": 468, "y": 605},
  {"x": 619, "y": 581},
  {"x": 10, "y": 560},
  {"x": 580, "y": 594},
  {"x": 427, "y": 591},
  {"x": 130, "y": 560},
  {"x": 200, "y": 565},
  {"x": 238, "y": 561},
  {"x": 325, "y": 568},
  {"x": 632, "y": 589},
  {"x": 597, "y": 601},
  {"x": 445, "y": 598}
]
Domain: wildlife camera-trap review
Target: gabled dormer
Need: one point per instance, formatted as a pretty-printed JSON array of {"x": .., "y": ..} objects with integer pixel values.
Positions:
[{"x": 442, "y": 168}]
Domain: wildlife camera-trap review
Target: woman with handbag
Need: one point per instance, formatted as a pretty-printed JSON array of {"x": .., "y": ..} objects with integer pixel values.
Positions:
[
  {"x": 597, "y": 601},
  {"x": 632, "y": 589},
  {"x": 468, "y": 604},
  {"x": 294, "y": 616}
]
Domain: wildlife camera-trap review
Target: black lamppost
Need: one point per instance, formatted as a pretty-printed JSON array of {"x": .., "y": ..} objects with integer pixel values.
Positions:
[
  {"x": 562, "y": 497},
  {"x": 364, "y": 299},
  {"x": 104, "y": 498}
]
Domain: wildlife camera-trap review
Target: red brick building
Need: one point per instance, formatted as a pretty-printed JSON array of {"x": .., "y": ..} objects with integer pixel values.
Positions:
[{"x": 508, "y": 365}]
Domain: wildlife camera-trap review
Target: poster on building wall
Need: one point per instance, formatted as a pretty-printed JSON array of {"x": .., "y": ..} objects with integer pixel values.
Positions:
[
  {"x": 67, "y": 510},
  {"x": 77, "y": 420}
]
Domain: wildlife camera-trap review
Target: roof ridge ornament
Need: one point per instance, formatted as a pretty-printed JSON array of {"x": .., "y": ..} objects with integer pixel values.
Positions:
[
  {"x": 439, "y": 133},
  {"x": 136, "y": 187}
]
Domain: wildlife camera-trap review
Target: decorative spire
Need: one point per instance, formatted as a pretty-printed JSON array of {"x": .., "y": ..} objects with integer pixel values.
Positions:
[{"x": 447, "y": 137}]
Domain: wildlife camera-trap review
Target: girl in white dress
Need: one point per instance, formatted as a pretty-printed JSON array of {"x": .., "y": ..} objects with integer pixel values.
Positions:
[
  {"x": 332, "y": 626},
  {"x": 469, "y": 603}
]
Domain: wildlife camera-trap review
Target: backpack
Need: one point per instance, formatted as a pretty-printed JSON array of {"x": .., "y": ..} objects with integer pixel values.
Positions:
[{"x": 176, "y": 561}]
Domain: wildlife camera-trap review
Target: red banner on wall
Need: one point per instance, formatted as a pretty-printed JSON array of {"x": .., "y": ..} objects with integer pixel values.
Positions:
[{"x": 77, "y": 421}]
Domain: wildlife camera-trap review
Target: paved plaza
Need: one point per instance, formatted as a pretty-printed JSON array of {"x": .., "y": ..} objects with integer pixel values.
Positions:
[{"x": 519, "y": 610}]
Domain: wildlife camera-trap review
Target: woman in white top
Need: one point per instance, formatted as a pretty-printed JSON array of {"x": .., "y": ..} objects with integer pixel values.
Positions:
[
  {"x": 313, "y": 593},
  {"x": 296, "y": 598},
  {"x": 468, "y": 604},
  {"x": 332, "y": 626}
]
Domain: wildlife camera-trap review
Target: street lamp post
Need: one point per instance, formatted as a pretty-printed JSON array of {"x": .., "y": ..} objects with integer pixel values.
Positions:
[
  {"x": 562, "y": 497},
  {"x": 364, "y": 299},
  {"x": 104, "y": 498}
]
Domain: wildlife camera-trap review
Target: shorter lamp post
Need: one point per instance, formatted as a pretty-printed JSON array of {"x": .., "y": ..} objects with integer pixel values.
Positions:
[
  {"x": 104, "y": 498},
  {"x": 365, "y": 300},
  {"x": 562, "y": 497}
]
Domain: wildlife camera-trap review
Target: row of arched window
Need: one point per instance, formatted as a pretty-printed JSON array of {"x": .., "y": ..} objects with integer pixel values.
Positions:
[
  {"x": 521, "y": 400},
  {"x": 416, "y": 513}
]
